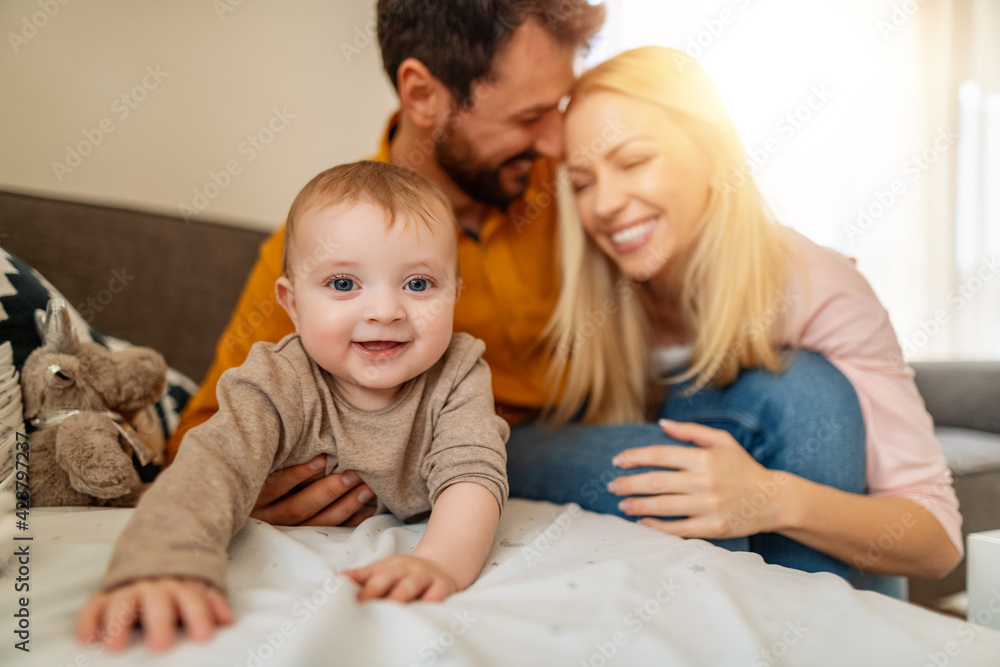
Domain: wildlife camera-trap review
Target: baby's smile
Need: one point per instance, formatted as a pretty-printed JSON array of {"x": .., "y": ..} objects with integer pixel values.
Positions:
[{"x": 380, "y": 349}]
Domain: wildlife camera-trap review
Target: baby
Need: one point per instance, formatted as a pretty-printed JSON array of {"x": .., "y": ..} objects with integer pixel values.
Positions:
[{"x": 373, "y": 378}]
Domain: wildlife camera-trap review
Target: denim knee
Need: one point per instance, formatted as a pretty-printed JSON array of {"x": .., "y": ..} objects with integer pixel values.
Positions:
[
  {"x": 804, "y": 419},
  {"x": 574, "y": 463}
]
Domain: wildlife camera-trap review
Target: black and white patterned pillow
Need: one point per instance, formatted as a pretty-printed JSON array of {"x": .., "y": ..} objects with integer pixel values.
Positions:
[{"x": 24, "y": 291}]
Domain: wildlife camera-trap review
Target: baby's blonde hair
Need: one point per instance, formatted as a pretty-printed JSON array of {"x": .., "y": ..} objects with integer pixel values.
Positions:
[
  {"x": 730, "y": 271},
  {"x": 393, "y": 190}
]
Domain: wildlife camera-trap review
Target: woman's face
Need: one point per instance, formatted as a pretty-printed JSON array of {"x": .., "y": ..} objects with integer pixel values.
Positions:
[{"x": 641, "y": 183}]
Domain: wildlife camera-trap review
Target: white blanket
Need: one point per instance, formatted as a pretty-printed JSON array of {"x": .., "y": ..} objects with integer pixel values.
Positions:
[{"x": 561, "y": 587}]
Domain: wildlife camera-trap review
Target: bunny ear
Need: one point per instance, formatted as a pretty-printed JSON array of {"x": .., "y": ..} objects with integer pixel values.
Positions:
[
  {"x": 56, "y": 329},
  {"x": 40, "y": 324}
]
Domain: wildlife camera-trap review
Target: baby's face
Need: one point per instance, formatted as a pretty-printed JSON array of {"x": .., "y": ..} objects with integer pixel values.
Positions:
[{"x": 374, "y": 306}]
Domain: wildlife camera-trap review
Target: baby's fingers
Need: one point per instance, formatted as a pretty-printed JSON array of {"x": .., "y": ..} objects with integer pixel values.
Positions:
[
  {"x": 437, "y": 591},
  {"x": 409, "y": 587},
  {"x": 117, "y": 620},
  {"x": 360, "y": 575},
  {"x": 88, "y": 622},
  {"x": 221, "y": 610},
  {"x": 199, "y": 612},
  {"x": 159, "y": 617},
  {"x": 378, "y": 585}
]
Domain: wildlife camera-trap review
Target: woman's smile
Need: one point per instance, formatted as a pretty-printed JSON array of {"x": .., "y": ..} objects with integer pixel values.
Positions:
[{"x": 632, "y": 236}]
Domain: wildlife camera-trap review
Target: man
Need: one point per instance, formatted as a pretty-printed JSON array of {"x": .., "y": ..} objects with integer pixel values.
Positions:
[{"x": 480, "y": 86}]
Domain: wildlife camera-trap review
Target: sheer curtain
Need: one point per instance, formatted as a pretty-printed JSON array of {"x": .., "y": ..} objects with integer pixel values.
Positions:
[
  {"x": 975, "y": 36},
  {"x": 850, "y": 116}
]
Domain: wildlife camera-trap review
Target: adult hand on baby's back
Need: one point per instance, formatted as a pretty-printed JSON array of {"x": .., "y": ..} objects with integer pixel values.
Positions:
[
  {"x": 334, "y": 500},
  {"x": 711, "y": 484},
  {"x": 158, "y": 603},
  {"x": 403, "y": 578}
]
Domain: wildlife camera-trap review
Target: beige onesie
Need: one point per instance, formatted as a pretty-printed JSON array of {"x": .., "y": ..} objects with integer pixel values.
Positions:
[{"x": 277, "y": 410}]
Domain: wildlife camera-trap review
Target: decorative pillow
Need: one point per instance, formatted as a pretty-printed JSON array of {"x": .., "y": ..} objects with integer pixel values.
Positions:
[
  {"x": 11, "y": 415},
  {"x": 24, "y": 291}
]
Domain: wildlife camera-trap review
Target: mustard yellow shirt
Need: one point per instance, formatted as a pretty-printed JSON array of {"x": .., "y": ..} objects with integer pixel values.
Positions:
[{"x": 510, "y": 287}]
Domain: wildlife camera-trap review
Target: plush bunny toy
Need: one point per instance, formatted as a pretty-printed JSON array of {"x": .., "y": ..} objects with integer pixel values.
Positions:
[{"x": 80, "y": 397}]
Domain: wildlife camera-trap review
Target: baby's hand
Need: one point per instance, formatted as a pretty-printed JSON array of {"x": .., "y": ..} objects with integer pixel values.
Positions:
[
  {"x": 403, "y": 579},
  {"x": 159, "y": 603}
]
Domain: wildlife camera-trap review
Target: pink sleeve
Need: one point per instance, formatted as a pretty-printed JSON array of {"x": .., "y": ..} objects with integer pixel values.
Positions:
[{"x": 838, "y": 315}]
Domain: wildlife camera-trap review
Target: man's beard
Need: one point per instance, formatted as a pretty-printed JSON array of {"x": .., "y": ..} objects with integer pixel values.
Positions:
[{"x": 481, "y": 182}]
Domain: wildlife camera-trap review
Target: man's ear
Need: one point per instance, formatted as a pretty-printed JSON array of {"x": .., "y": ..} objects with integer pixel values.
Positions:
[
  {"x": 286, "y": 297},
  {"x": 423, "y": 97}
]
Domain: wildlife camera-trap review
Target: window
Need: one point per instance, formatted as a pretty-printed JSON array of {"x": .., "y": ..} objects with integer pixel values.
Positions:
[{"x": 877, "y": 154}]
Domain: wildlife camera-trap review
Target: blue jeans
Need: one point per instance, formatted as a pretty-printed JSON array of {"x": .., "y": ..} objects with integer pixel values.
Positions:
[{"x": 805, "y": 420}]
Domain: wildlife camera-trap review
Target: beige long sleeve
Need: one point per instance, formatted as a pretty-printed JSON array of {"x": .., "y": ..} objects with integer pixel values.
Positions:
[{"x": 277, "y": 410}]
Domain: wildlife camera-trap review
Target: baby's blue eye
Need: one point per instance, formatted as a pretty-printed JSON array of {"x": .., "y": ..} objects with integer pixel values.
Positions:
[
  {"x": 418, "y": 284},
  {"x": 342, "y": 284}
]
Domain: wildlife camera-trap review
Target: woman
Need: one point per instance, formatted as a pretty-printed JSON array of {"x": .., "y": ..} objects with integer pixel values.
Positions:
[{"x": 776, "y": 346}]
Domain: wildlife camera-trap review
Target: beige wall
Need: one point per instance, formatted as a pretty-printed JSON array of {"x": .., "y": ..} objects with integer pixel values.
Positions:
[{"x": 274, "y": 91}]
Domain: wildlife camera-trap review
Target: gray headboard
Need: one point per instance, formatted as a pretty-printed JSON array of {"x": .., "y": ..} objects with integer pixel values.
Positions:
[{"x": 153, "y": 280}]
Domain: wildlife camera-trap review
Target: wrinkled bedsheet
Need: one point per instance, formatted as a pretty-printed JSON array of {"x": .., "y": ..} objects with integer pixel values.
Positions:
[{"x": 562, "y": 586}]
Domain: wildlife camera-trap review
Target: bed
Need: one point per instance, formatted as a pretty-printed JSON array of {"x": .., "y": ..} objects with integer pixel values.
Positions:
[{"x": 561, "y": 586}]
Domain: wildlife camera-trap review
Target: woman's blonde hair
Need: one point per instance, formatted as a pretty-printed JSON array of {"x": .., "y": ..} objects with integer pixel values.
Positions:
[{"x": 729, "y": 272}]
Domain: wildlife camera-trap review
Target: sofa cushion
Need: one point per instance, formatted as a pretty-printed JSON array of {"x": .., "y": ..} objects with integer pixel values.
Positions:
[
  {"x": 965, "y": 394},
  {"x": 969, "y": 451}
]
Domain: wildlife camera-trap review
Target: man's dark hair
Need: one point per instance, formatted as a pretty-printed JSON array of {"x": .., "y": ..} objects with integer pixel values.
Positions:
[{"x": 458, "y": 39}]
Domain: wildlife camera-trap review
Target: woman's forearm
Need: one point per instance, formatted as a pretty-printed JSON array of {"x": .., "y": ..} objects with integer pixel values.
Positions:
[
  {"x": 460, "y": 531},
  {"x": 884, "y": 535}
]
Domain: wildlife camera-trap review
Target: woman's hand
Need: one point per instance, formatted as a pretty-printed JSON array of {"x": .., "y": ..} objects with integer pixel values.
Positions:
[
  {"x": 403, "y": 578},
  {"x": 334, "y": 500},
  {"x": 717, "y": 485}
]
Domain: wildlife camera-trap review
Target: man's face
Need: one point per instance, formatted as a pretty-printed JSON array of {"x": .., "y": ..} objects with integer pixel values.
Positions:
[{"x": 488, "y": 149}]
